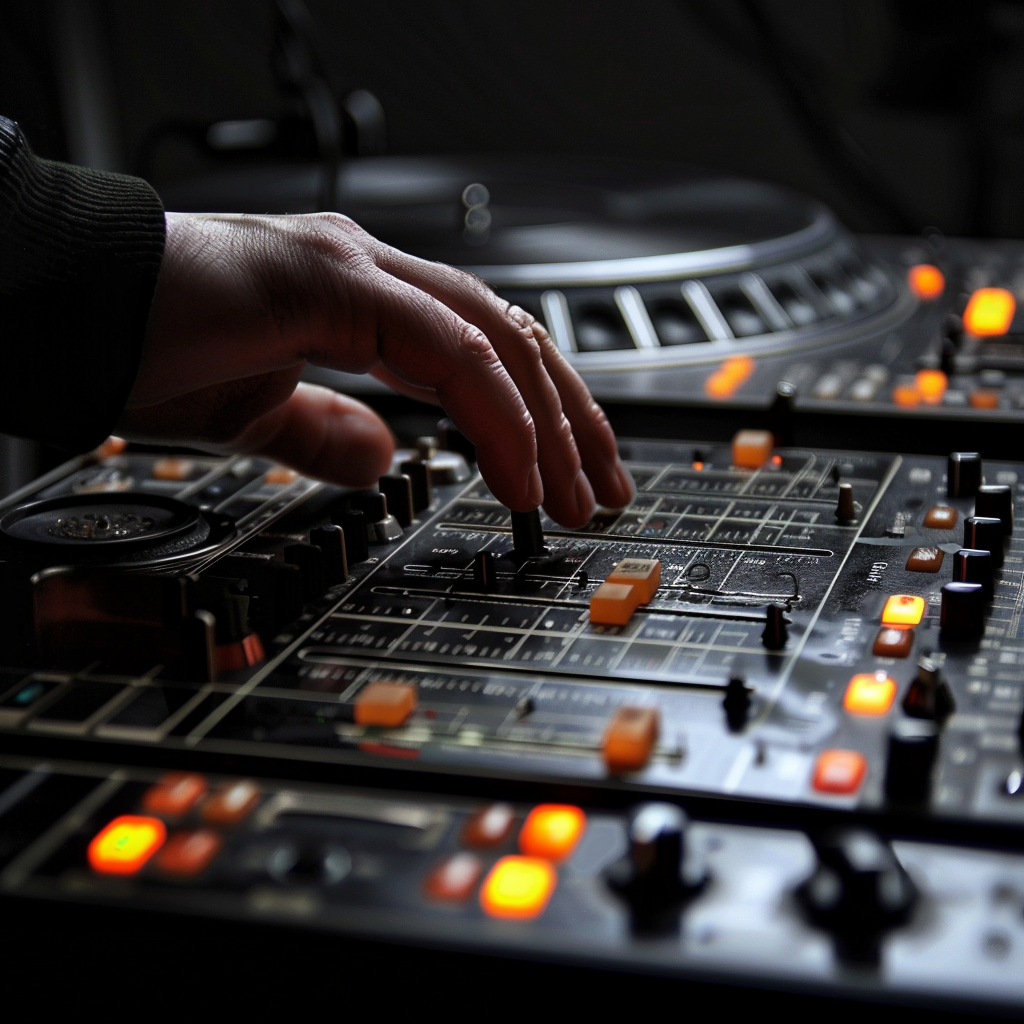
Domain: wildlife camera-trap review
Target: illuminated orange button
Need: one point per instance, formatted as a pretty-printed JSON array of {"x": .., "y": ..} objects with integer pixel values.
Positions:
[
  {"x": 187, "y": 854},
  {"x": 552, "y": 831},
  {"x": 173, "y": 469},
  {"x": 111, "y": 447},
  {"x": 926, "y": 281},
  {"x": 489, "y": 826},
  {"x": 983, "y": 398},
  {"x": 839, "y": 771},
  {"x": 893, "y": 643},
  {"x": 931, "y": 385},
  {"x": 231, "y": 803},
  {"x": 454, "y": 879},
  {"x": 385, "y": 704},
  {"x": 940, "y": 517},
  {"x": 612, "y": 604},
  {"x": 281, "y": 475},
  {"x": 642, "y": 573},
  {"x": 906, "y": 395},
  {"x": 630, "y": 738},
  {"x": 903, "y": 610},
  {"x": 518, "y": 887},
  {"x": 989, "y": 312},
  {"x": 174, "y": 795},
  {"x": 925, "y": 560},
  {"x": 751, "y": 448},
  {"x": 124, "y": 846},
  {"x": 871, "y": 693},
  {"x": 729, "y": 377}
]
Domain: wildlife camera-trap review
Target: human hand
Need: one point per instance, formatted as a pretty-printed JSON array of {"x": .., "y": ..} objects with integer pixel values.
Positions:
[{"x": 244, "y": 302}]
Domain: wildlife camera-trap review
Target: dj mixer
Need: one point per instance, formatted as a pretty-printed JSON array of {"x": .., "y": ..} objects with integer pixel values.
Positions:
[{"x": 760, "y": 728}]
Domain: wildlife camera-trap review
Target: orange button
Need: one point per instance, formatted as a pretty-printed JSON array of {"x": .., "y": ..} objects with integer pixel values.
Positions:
[
  {"x": 173, "y": 469},
  {"x": 931, "y": 385},
  {"x": 489, "y": 826},
  {"x": 729, "y": 377},
  {"x": 839, "y": 771},
  {"x": 906, "y": 395},
  {"x": 612, "y": 604},
  {"x": 751, "y": 448},
  {"x": 231, "y": 803},
  {"x": 124, "y": 846},
  {"x": 925, "y": 560},
  {"x": 552, "y": 831},
  {"x": 893, "y": 643},
  {"x": 940, "y": 517},
  {"x": 111, "y": 447},
  {"x": 903, "y": 610},
  {"x": 926, "y": 281},
  {"x": 518, "y": 887},
  {"x": 385, "y": 704},
  {"x": 871, "y": 693},
  {"x": 174, "y": 795},
  {"x": 989, "y": 312},
  {"x": 188, "y": 854},
  {"x": 454, "y": 879},
  {"x": 281, "y": 475},
  {"x": 630, "y": 738},
  {"x": 643, "y": 573},
  {"x": 983, "y": 398}
]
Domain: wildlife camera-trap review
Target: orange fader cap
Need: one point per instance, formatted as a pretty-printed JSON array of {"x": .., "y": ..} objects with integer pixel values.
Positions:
[
  {"x": 642, "y": 573},
  {"x": 630, "y": 738},
  {"x": 751, "y": 448},
  {"x": 386, "y": 704},
  {"x": 612, "y": 604}
]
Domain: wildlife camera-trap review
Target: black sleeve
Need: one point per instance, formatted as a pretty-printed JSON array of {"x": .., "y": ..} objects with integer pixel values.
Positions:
[{"x": 79, "y": 256}]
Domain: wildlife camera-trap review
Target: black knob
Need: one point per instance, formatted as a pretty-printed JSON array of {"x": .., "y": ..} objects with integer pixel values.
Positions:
[
  {"x": 775, "y": 633},
  {"x": 422, "y": 485},
  {"x": 973, "y": 565},
  {"x": 913, "y": 746},
  {"x": 782, "y": 412},
  {"x": 995, "y": 501},
  {"x": 985, "y": 533},
  {"x": 527, "y": 535},
  {"x": 397, "y": 489},
  {"x": 353, "y": 523},
  {"x": 484, "y": 576},
  {"x": 846, "y": 508},
  {"x": 929, "y": 696},
  {"x": 736, "y": 703},
  {"x": 452, "y": 439},
  {"x": 963, "y": 474},
  {"x": 962, "y": 614},
  {"x": 858, "y": 888},
  {"x": 659, "y": 871},
  {"x": 381, "y": 526},
  {"x": 947, "y": 356},
  {"x": 953, "y": 328},
  {"x": 331, "y": 541},
  {"x": 310, "y": 560}
]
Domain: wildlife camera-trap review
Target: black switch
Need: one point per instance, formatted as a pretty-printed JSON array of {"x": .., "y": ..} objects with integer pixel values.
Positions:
[
  {"x": 736, "y": 703},
  {"x": 929, "y": 695},
  {"x": 995, "y": 501},
  {"x": 962, "y": 614},
  {"x": 353, "y": 523},
  {"x": 781, "y": 413},
  {"x": 985, "y": 533},
  {"x": 973, "y": 565},
  {"x": 846, "y": 507},
  {"x": 484, "y": 577},
  {"x": 331, "y": 541},
  {"x": 422, "y": 485},
  {"x": 310, "y": 560},
  {"x": 527, "y": 535},
  {"x": 397, "y": 489},
  {"x": 775, "y": 633},
  {"x": 963, "y": 474},
  {"x": 913, "y": 746}
]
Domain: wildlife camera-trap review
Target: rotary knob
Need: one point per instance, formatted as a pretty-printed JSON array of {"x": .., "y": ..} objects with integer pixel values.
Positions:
[
  {"x": 972, "y": 565},
  {"x": 963, "y": 474},
  {"x": 986, "y": 534},
  {"x": 962, "y": 614},
  {"x": 995, "y": 501},
  {"x": 912, "y": 749}
]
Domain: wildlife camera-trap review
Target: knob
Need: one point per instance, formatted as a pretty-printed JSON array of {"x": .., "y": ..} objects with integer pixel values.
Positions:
[
  {"x": 274, "y": 587},
  {"x": 527, "y": 535},
  {"x": 397, "y": 489},
  {"x": 381, "y": 526},
  {"x": 973, "y": 565},
  {"x": 310, "y": 560},
  {"x": 846, "y": 507},
  {"x": 947, "y": 356},
  {"x": 736, "y": 704},
  {"x": 858, "y": 888},
  {"x": 963, "y": 474},
  {"x": 484, "y": 576},
  {"x": 962, "y": 614},
  {"x": 775, "y": 633},
  {"x": 331, "y": 541},
  {"x": 353, "y": 525},
  {"x": 929, "y": 696},
  {"x": 422, "y": 485},
  {"x": 781, "y": 413},
  {"x": 912, "y": 749},
  {"x": 953, "y": 328},
  {"x": 659, "y": 872},
  {"x": 453, "y": 440},
  {"x": 986, "y": 534},
  {"x": 308, "y": 863},
  {"x": 995, "y": 501}
]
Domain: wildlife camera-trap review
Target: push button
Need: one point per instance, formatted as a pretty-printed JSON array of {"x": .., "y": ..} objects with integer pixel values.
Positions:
[
  {"x": 926, "y": 281},
  {"x": 989, "y": 312},
  {"x": 893, "y": 643},
  {"x": 385, "y": 704},
  {"x": 903, "y": 610},
  {"x": 173, "y": 469},
  {"x": 489, "y": 826},
  {"x": 931, "y": 385},
  {"x": 518, "y": 887},
  {"x": 281, "y": 476},
  {"x": 925, "y": 560},
  {"x": 870, "y": 693},
  {"x": 188, "y": 854},
  {"x": 552, "y": 831},
  {"x": 232, "y": 803},
  {"x": 941, "y": 517},
  {"x": 174, "y": 795},
  {"x": 630, "y": 738},
  {"x": 454, "y": 879},
  {"x": 839, "y": 771},
  {"x": 126, "y": 844},
  {"x": 642, "y": 573}
]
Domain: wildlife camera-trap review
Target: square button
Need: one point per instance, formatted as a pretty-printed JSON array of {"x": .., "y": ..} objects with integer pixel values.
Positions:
[
  {"x": 232, "y": 803},
  {"x": 518, "y": 887},
  {"x": 839, "y": 771},
  {"x": 124, "y": 846},
  {"x": 903, "y": 610},
  {"x": 870, "y": 693},
  {"x": 893, "y": 643},
  {"x": 174, "y": 795},
  {"x": 925, "y": 560},
  {"x": 940, "y": 517},
  {"x": 454, "y": 879},
  {"x": 188, "y": 854},
  {"x": 552, "y": 831}
]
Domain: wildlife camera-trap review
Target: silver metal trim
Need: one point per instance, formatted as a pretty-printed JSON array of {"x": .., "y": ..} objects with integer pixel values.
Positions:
[
  {"x": 558, "y": 320},
  {"x": 765, "y": 303},
  {"x": 659, "y": 268},
  {"x": 706, "y": 310},
  {"x": 634, "y": 312}
]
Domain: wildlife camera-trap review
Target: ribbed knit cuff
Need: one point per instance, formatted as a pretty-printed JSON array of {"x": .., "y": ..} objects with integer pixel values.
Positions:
[{"x": 80, "y": 251}]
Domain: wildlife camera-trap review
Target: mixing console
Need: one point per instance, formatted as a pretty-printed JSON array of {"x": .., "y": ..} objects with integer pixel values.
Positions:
[{"x": 762, "y": 725}]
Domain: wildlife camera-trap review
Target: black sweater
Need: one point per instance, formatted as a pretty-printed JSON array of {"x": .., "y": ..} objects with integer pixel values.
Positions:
[{"x": 79, "y": 255}]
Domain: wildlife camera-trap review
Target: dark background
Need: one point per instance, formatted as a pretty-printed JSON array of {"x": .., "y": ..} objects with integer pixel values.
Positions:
[{"x": 898, "y": 113}]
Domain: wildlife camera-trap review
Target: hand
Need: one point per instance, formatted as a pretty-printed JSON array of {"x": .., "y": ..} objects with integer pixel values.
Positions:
[{"x": 243, "y": 303}]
